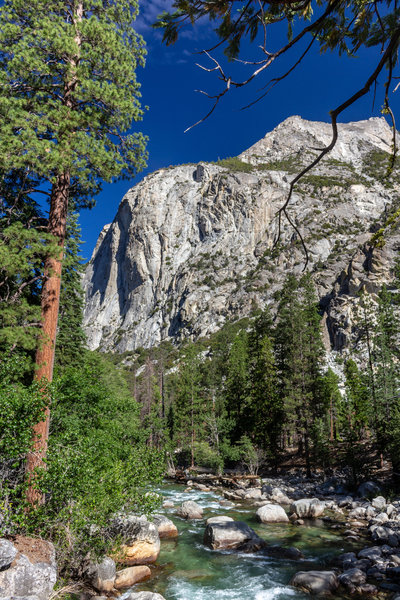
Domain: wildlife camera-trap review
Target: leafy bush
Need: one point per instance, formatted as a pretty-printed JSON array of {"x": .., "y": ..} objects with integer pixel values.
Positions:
[
  {"x": 21, "y": 406},
  {"x": 97, "y": 462},
  {"x": 208, "y": 457}
]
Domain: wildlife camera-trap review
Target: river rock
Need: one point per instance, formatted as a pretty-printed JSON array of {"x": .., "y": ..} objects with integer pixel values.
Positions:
[
  {"x": 279, "y": 497},
  {"x": 367, "y": 589},
  {"x": 360, "y": 512},
  {"x": 352, "y": 578},
  {"x": 33, "y": 571},
  {"x": 168, "y": 504},
  {"x": 379, "y": 502},
  {"x": 266, "y": 489},
  {"x": 7, "y": 553},
  {"x": 368, "y": 488},
  {"x": 102, "y": 574},
  {"x": 345, "y": 502},
  {"x": 141, "y": 542},
  {"x": 384, "y": 535},
  {"x": 234, "y": 535},
  {"x": 346, "y": 561},
  {"x": 380, "y": 519},
  {"x": 144, "y": 596},
  {"x": 131, "y": 575},
  {"x": 272, "y": 513},
  {"x": 190, "y": 510},
  {"x": 390, "y": 510},
  {"x": 219, "y": 519},
  {"x": 316, "y": 582},
  {"x": 253, "y": 494},
  {"x": 373, "y": 553},
  {"x": 165, "y": 527},
  {"x": 308, "y": 508}
]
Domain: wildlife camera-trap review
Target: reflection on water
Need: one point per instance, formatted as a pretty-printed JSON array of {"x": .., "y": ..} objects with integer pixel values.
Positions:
[{"x": 186, "y": 570}]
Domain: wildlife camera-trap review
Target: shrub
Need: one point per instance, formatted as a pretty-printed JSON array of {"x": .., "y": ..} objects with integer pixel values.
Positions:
[{"x": 97, "y": 461}]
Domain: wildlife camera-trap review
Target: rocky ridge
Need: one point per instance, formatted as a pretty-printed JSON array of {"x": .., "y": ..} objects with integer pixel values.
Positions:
[{"x": 192, "y": 246}]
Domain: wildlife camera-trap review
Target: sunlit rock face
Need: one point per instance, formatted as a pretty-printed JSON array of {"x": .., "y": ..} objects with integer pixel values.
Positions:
[{"x": 192, "y": 247}]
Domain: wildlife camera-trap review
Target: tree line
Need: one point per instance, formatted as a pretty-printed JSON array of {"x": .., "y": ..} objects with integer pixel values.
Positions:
[{"x": 261, "y": 389}]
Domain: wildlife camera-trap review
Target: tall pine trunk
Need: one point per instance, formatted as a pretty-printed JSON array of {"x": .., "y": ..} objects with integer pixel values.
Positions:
[
  {"x": 50, "y": 298},
  {"x": 50, "y": 301}
]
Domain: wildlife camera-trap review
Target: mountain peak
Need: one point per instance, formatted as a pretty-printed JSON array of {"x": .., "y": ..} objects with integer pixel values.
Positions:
[{"x": 193, "y": 247}]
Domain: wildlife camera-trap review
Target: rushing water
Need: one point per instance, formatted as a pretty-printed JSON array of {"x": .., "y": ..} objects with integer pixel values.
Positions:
[{"x": 187, "y": 570}]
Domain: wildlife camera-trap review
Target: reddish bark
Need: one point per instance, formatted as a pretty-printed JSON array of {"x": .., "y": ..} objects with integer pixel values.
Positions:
[{"x": 50, "y": 301}]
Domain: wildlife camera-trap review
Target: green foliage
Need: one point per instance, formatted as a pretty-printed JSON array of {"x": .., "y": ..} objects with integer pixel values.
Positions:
[
  {"x": 207, "y": 456},
  {"x": 325, "y": 181},
  {"x": 189, "y": 413},
  {"x": 97, "y": 460},
  {"x": 68, "y": 92},
  {"x": 264, "y": 414},
  {"x": 235, "y": 388},
  {"x": 21, "y": 406},
  {"x": 251, "y": 456},
  {"x": 23, "y": 248},
  {"x": 234, "y": 163},
  {"x": 70, "y": 335},
  {"x": 300, "y": 359}
]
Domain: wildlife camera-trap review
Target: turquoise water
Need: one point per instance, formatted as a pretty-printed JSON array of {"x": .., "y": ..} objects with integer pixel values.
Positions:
[{"x": 187, "y": 570}]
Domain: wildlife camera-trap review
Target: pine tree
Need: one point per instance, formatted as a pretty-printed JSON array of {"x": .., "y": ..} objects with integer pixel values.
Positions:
[
  {"x": 189, "y": 413},
  {"x": 68, "y": 94},
  {"x": 300, "y": 356},
  {"x": 24, "y": 245},
  {"x": 235, "y": 387},
  {"x": 70, "y": 336},
  {"x": 359, "y": 405},
  {"x": 264, "y": 405},
  {"x": 332, "y": 393}
]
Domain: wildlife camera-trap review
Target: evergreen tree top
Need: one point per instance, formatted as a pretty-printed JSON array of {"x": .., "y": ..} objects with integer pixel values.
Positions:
[{"x": 68, "y": 91}]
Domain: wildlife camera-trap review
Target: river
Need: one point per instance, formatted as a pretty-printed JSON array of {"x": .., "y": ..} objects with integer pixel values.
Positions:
[{"x": 187, "y": 570}]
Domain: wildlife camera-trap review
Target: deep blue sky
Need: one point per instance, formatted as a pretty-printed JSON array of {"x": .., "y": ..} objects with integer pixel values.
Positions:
[{"x": 168, "y": 83}]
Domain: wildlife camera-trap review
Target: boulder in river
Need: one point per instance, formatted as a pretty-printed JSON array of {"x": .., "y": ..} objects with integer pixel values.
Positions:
[
  {"x": 279, "y": 497},
  {"x": 141, "y": 542},
  {"x": 232, "y": 535},
  {"x": 272, "y": 513},
  {"x": 252, "y": 494},
  {"x": 308, "y": 508},
  {"x": 384, "y": 535},
  {"x": 379, "y": 503},
  {"x": 219, "y": 519},
  {"x": 321, "y": 583},
  {"x": 372, "y": 553},
  {"x": 126, "y": 578},
  {"x": 144, "y": 596},
  {"x": 352, "y": 579},
  {"x": 190, "y": 510},
  {"x": 101, "y": 574},
  {"x": 166, "y": 528}
]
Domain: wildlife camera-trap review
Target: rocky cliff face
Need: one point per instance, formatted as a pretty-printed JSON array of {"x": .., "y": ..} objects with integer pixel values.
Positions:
[{"x": 192, "y": 247}]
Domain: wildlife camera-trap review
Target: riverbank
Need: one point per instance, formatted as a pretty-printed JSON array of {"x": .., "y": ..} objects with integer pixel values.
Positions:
[
  {"x": 339, "y": 541},
  {"x": 302, "y": 536}
]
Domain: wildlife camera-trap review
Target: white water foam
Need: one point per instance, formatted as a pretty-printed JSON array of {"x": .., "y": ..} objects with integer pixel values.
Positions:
[
  {"x": 184, "y": 590},
  {"x": 274, "y": 593}
]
